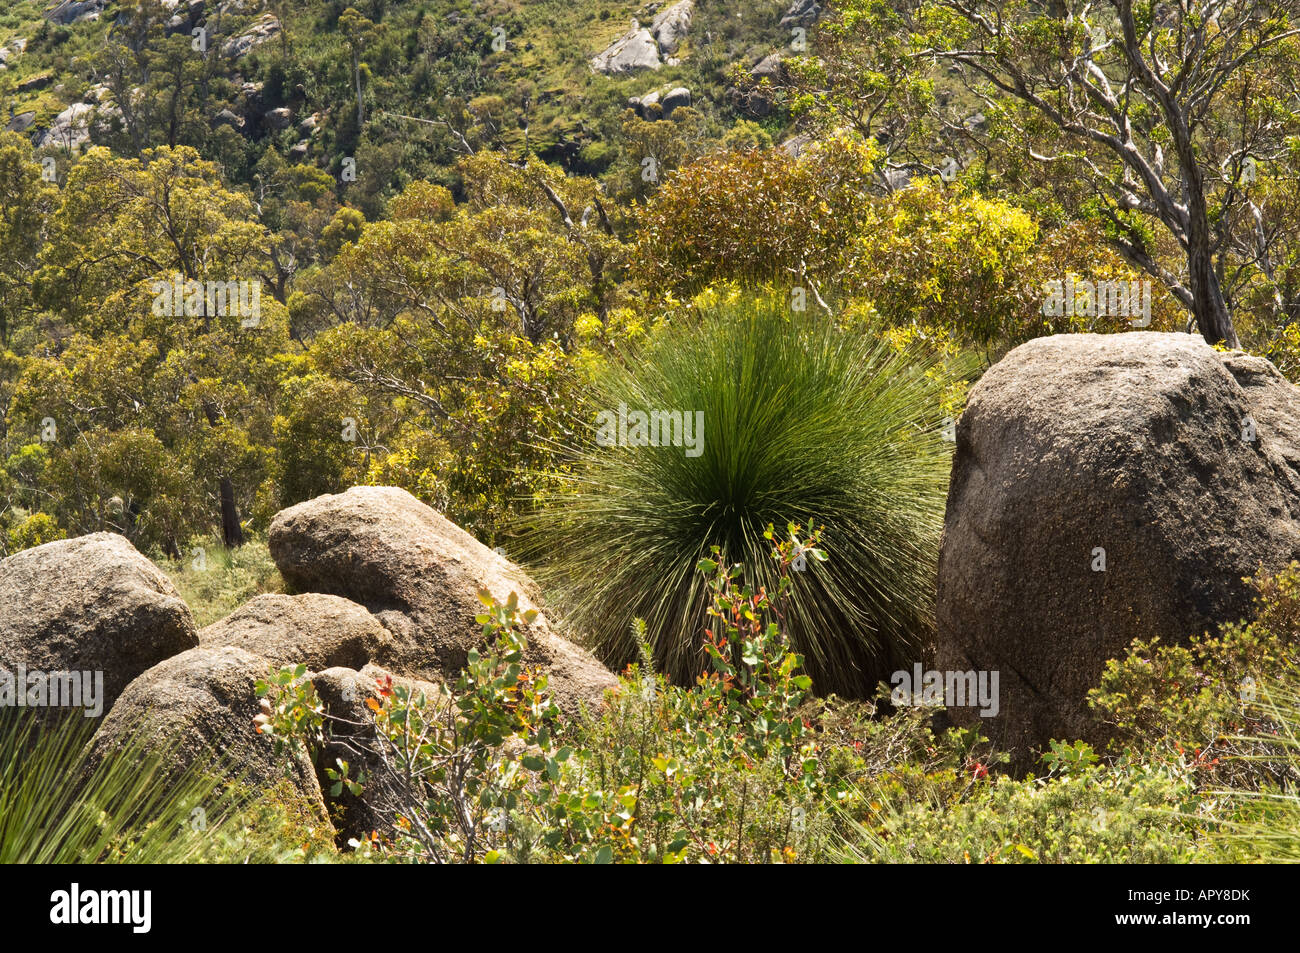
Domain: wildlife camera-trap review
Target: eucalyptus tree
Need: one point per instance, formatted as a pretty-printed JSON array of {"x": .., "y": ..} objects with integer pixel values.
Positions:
[{"x": 1172, "y": 125}]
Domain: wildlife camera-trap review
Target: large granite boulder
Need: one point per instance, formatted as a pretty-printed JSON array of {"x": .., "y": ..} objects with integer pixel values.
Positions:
[
  {"x": 676, "y": 98},
  {"x": 802, "y": 13},
  {"x": 420, "y": 575},
  {"x": 1105, "y": 488},
  {"x": 315, "y": 630},
  {"x": 69, "y": 129},
  {"x": 634, "y": 50},
  {"x": 671, "y": 25},
  {"x": 196, "y": 709},
  {"x": 75, "y": 11},
  {"x": 90, "y": 604},
  {"x": 265, "y": 28}
]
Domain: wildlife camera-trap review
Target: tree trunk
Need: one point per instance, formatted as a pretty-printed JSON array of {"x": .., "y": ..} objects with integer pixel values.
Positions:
[
  {"x": 1210, "y": 310},
  {"x": 1212, "y": 317},
  {"x": 356, "y": 74},
  {"x": 232, "y": 533}
]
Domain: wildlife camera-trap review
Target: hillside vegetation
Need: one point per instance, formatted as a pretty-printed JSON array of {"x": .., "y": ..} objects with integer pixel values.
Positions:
[{"x": 571, "y": 430}]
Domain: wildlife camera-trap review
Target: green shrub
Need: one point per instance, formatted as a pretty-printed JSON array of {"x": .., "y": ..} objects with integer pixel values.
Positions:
[
  {"x": 1194, "y": 703},
  {"x": 802, "y": 422},
  {"x": 1223, "y": 712},
  {"x": 446, "y": 765},
  {"x": 33, "y": 531},
  {"x": 744, "y": 767},
  {"x": 1094, "y": 815},
  {"x": 730, "y": 770}
]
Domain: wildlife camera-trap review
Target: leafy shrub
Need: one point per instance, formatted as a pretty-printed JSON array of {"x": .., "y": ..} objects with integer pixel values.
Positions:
[
  {"x": 33, "y": 531},
  {"x": 802, "y": 422},
  {"x": 931, "y": 255},
  {"x": 731, "y": 769},
  {"x": 314, "y": 453},
  {"x": 1196, "y": 702},
  {"x": 744, "y": 767},
  {"x": 1132, "y": 814},
  {"x": 444, "y": 771},
  {"x": 756, "y": 215}
]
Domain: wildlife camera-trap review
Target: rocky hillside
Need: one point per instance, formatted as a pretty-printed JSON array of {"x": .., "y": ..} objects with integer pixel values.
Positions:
[{"x": 243, "y": 77}]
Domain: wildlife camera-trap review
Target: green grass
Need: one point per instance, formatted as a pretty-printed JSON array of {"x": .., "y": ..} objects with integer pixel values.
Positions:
[
  {"x": 221, "y": 580},
  {"x": 60, "y": 806},
  {"x": 803, "y": 423},
  {"x": 1266, "y": 825}
]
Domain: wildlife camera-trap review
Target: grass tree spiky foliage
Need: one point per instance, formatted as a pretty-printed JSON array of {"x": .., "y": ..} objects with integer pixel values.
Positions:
[
  {"x": 59, "y": 806},
  {"x": 803, "y": 422}
]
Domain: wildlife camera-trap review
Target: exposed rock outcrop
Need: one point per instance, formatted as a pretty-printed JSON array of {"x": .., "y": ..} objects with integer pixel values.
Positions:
[
  {"x": 69, "y": 129},
  {"x": 279, "y": 118},
  {"x": 658, "y": 104},
  {"x": 267, "y": 27},
  {"x": 678, "y": 96},
  {"x": 802, "y": 13},
  {"x": 316, "y": 630},
  {"x": 671, "y": 26},
  {"x": 197, "y": 709},
  {"x": 20, "y": 122},
  {"x": 76, "y": 11},
  {"x": 634, "y": 50}
]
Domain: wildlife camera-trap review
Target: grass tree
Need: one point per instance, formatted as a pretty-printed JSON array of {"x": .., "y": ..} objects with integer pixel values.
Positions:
[
  {"x": 791, "y": 420},
  {"x": 61, "y": 805}
]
